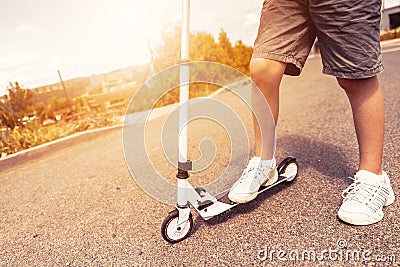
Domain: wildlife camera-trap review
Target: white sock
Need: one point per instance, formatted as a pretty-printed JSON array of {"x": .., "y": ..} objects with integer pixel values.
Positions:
[
  {"x": 267, "y": 162},
  {"x": 369, "y": 177}
]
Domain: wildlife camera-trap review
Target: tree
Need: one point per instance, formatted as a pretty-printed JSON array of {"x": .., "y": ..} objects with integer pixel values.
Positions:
[
  {"x": 203, "y": 47},
  {"x": 225, "y": 51},
  {"x": 242, "y": 54},
  {"x": 19, "y": 99},
  {"x": 168, "y": 52}
]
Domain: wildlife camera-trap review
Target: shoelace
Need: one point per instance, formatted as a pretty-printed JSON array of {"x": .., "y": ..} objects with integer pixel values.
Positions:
[
  {"x": 250, "y": 168},
  {"x": 365, "y": 193}
]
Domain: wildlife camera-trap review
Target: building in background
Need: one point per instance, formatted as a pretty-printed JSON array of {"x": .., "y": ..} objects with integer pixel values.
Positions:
[{"x": 390, "y": 14}]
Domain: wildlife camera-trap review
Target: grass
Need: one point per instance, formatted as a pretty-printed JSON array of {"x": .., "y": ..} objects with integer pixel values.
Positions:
[{"x": 33, "y": 133}]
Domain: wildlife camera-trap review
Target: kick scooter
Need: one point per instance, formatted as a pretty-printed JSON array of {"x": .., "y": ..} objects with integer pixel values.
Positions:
[{"x": 179, "y": 222}]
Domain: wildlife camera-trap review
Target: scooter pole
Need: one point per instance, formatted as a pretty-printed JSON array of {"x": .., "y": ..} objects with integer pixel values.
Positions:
[{"x": 184, "y": 164}]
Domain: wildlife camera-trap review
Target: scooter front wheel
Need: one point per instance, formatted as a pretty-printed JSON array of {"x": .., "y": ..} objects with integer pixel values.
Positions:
[{"x": 171, "y": 231}]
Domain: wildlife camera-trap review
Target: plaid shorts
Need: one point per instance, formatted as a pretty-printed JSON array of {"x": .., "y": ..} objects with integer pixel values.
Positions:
[{"x": 347, "y": 32}]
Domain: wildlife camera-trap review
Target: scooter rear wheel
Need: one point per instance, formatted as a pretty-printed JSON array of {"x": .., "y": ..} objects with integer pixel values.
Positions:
[
  {"x": 171, "y": 231},
  {"x": 288, "y": 168}
]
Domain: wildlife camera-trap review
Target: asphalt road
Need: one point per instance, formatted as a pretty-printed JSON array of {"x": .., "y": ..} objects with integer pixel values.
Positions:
[{"x": 81, "y": 207}]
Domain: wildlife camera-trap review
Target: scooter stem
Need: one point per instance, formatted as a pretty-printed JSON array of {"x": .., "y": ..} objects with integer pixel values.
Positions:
[
  {"x": 184, "y": 83},
  {"x": 183, "y": 105}
]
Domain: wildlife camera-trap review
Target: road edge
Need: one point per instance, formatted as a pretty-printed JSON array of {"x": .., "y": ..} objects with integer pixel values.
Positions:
[{"x": 37, "y": 152}]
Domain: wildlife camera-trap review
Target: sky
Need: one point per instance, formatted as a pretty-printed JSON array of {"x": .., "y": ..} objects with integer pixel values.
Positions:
[{"x": 84, "y": 37}]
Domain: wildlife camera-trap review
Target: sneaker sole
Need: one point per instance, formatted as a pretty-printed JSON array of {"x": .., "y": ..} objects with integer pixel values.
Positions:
[
  {"x": 243, "y": 200},
  {"x": 371, "y": 219}
]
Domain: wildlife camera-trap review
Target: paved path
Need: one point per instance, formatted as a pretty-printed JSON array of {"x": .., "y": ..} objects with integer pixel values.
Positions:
[{"x": 80, "y": 206}]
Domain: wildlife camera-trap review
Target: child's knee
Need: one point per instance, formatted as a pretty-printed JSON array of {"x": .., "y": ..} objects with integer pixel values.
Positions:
[
  {"x": 346, "y": 84},
  {"x": 257, "y": 70},
  {"x": 350, "y": 85},
  {"x": 265, "y": 70}
]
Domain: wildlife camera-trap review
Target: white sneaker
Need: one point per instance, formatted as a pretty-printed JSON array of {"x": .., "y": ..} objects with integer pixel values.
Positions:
[
  {"x": 365, "y": 198},
  {"x": 255, "y": 175}
]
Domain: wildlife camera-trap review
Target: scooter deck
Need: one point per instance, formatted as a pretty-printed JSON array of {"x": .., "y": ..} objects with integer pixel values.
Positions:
[{"x": 209, "y": 206}]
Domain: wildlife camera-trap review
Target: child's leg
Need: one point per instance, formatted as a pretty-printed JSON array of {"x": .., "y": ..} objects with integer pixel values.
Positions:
[
  {"x": 267, "y": 75},
  {"x": 364, "y": 199},
  {"x": 261, "y": 169},
  {"x": 285, "y": 35},
  {"x": 366, "y": 101}
]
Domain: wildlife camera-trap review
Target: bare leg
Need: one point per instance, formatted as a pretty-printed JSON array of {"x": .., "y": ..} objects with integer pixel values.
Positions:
[
  {"x": 366, "y": 101},
  {"x": 267, "y": 75}
]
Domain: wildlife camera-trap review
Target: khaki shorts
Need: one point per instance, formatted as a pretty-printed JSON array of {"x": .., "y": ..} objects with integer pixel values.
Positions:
[{"x": 347, "y": 31}]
